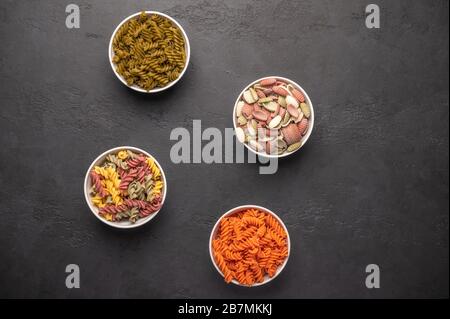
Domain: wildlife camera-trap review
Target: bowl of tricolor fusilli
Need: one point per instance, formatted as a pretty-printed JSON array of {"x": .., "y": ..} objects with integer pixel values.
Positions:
[
  {"x": 125, "y": 187},
  {"x": 249, "y": 246},
  {"x": 149, "y": 51}
]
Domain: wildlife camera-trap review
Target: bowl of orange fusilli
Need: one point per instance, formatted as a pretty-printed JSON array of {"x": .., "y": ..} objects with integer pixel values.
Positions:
[
  {"x": 249, "y": 245},
  {"x": 125, "y": 187}
]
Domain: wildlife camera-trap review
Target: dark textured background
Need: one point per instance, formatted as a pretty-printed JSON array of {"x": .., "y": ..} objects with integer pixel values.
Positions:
[{"x": 371, "y": 185}]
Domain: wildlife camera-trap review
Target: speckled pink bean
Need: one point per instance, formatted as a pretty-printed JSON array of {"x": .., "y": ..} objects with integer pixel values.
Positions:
[
  {"x": 247, "y": 110},
  {"x": 279, "y": 90},
  {"x": 268, "y": 82},
  {"x": 260, "y": 115}
]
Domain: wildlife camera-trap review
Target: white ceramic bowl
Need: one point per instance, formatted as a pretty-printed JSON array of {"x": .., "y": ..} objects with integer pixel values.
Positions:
[
  {"x": 135, "y": 87},
  {"x": 311, "y": 118},
  {"x": 234, "y": 211},
  {"x": 87, "y": 185}
]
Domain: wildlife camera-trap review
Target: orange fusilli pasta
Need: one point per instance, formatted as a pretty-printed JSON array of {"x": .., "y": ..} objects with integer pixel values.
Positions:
[{"x": 249, "y": 245}]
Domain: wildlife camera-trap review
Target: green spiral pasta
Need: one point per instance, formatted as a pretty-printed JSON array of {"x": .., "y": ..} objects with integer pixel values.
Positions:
[
  {"x": 149, "y": 51},
  {"x": 116, "y": 161}
]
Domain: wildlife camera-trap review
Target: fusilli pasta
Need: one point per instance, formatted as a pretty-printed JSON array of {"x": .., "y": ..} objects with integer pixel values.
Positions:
[
  {"x": 126, "y": 187},
  {"x": 249, "y": 245},
  {"x": 149, "y": 51}
]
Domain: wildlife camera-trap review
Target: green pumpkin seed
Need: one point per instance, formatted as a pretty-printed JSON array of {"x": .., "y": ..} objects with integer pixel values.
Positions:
[
  {"x": 305, "y": 109},
  {"x": 271, "y": 106},
  {"x": 294, "y": 146},
  {"x": 265, "y": 100},
  {"x": 282, "y": 101},
  {"x": 242, "y": 120},
  {"x": 290, "y": 88},
  {"x": 286, "y": 119}
]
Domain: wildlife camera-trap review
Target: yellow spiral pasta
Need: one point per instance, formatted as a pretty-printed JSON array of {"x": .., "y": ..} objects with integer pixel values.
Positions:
[
  {"x": 157, "y": 187},
  {"x": 98, "y": 201},
  {"x": 111, "y": 182},
  {"x": 122, "y": 155},
  {"x": 153, "y": 168},
  {"x": 114, "y": 192}
]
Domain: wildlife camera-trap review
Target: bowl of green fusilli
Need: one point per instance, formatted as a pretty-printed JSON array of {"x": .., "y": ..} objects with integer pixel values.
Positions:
[{"x": 149, "y": 51}]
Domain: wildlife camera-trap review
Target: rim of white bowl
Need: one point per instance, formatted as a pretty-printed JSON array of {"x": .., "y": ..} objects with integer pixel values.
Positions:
[
  {"x": 94, "y": 210},
  {"x": 186, "y": 44},
  {"x": 304, "y": 139},
  {"x": 235, "y": 210}
]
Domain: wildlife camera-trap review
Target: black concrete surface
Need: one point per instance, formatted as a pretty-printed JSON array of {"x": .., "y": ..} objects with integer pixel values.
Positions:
[{"x": 371, "y": 185}]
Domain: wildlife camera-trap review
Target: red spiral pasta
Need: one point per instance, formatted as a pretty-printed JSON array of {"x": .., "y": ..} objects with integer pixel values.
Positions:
[
  {"x": 134, "y": 162},
  {"x": 135, "y": 203},
  {"x": 142, "y": 171},
  {"x": 151, "y": 207},
  {"x": 127, "y": 178},
  {"x": 97, "y": 184},
  {"x": 113, "y": 209},
  {"x": 249, "y": 245}
]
